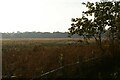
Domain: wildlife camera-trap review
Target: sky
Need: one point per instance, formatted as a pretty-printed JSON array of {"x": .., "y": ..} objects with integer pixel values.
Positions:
[{"x": 39, "y": 15}]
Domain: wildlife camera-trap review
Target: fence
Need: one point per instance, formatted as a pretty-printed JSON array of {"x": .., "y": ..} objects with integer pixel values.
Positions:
[
  {"x": 60, "y": 72},
  {"x": 83, "y": 67}
]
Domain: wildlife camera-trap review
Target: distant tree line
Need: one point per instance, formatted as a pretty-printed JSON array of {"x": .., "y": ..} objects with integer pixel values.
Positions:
[{"x": 37, "y": 35}]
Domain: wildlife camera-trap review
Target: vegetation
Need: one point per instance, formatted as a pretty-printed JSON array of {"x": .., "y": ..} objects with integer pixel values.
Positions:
[
  {"x": 37, "y": 35},
  {"x": 32, "y": 58},
  {"x": 106, "y": 19}
]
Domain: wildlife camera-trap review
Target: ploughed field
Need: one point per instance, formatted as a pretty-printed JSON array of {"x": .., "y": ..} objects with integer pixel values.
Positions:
[{"x": 30, "y": 58}]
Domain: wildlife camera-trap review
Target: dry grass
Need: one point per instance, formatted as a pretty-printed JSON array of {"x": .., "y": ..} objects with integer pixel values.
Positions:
[{"x": 31, "y": 58}]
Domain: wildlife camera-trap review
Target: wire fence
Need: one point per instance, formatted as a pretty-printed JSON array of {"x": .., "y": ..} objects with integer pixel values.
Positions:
[
  {"x": 61, "y": 69},
  {"x": 82, "y": 67}
]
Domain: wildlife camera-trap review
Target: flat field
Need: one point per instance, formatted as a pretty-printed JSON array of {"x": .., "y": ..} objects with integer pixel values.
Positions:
[{"x": 30, "y": 58}]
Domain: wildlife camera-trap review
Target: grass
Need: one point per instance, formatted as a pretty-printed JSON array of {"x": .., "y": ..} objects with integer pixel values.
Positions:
[{"x": 32, "y": 57}]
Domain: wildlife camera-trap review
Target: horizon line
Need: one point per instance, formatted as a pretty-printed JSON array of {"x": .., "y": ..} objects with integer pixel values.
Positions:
[{"x": 36, "y": 31}]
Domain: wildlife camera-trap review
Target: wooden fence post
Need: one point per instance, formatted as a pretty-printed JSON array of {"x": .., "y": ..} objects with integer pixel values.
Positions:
[{"x": 61, "y": 61}]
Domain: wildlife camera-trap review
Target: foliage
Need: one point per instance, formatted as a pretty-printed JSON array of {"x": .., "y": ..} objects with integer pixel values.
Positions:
[{"x": 106, "y": 17}]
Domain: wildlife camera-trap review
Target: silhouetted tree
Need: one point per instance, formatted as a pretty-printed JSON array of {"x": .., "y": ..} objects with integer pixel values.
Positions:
[{"x": 105, "y": 15}]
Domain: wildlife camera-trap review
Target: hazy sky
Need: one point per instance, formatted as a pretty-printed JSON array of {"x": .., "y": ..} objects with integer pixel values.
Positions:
[{"x": 39, "y": 15}]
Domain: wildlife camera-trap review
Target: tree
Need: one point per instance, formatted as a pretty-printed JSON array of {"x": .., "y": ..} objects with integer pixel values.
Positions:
[{"x": 105, "y": 15}]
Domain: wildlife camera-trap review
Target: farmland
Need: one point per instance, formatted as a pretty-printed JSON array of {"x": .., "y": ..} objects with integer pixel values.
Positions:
[{"x": 30, "y": 58}]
